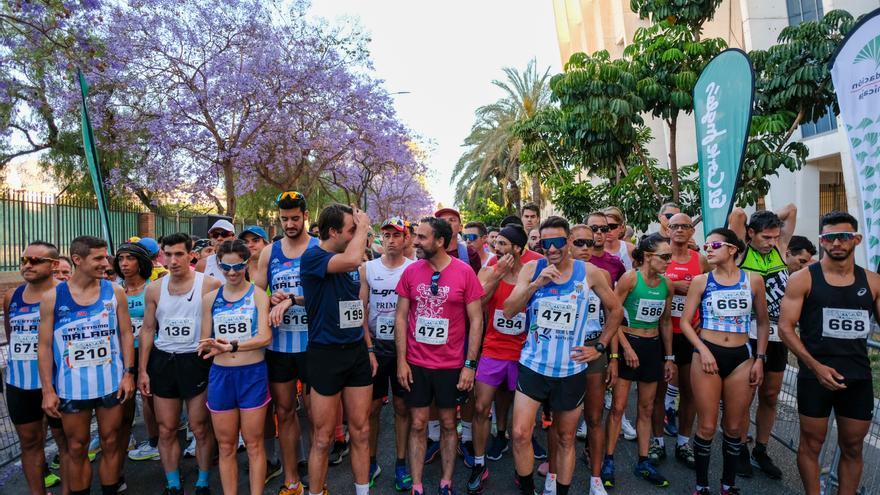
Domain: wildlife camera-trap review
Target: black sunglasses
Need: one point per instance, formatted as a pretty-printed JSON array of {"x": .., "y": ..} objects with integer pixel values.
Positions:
[
  {"x": 669, "y": 215},
  {"x": 584, "y": 242},
  {"x": 600, "y": 228},
  {"x": 435, "y": 278}
]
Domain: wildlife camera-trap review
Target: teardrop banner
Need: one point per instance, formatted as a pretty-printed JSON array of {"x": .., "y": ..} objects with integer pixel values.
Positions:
[
  {"x": 855, "y": 72},
  {"x": 723, "y": 99}
]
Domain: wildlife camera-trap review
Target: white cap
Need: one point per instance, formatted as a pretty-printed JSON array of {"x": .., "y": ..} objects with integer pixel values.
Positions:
[{"x": 222, "y": 224}]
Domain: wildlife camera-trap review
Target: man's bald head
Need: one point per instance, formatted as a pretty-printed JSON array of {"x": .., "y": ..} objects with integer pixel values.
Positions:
[{"x": 681, "y": 228}]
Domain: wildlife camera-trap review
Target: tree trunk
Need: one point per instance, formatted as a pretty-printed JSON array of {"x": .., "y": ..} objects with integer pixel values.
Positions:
[
  {"x": 673, "y": 158},
  {"x": 536, "y": 191},
  {"x": 229, "y": 187},
  {"x": 515, "y": 196}
]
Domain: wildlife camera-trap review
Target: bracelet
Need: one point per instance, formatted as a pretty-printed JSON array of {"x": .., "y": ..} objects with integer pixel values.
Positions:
[
  {"x": 669, "y": 357},
  {"x": 614, "y": 355},
  {"x": 370, "y": 349},
  {"x": 762, "y": 357}
]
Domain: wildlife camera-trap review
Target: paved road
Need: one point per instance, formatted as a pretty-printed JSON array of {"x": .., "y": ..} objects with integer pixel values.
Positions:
[{"x": 146, "y": 477}]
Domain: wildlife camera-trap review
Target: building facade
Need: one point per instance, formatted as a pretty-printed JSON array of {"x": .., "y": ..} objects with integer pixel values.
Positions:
[{"x": 827, "y": 182}]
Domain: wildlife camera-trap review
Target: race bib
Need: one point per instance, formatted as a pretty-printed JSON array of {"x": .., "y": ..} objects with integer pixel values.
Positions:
[
  {"x": 351, "y": 313},
  {"x": 845, "y": 323},
  {"x": 512, "y": 326},
  {"x": 385, "y": 328},
  {"x": 677, "y": 307},
  {"x": 232, "y": 326},
  {"x": 295, "y": 319},
  {"x": 23, "y": 346},
  {"x": 556, "y": 315},
  {"x": 650, "y": 310},
  {"x": 87, "y": 353},
  {"x": 773, "y": 335},
  {"x": 432, "y": 331},
  {"x": 732, "y": 303},
  {"x": 594, "y": 309},
  {"x": 179, "y": 330},
  {"x": 136, "y": 324}
]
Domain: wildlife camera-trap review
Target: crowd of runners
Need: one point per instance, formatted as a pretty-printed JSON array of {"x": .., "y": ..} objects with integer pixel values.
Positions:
[{"x": 535, "y": 323}]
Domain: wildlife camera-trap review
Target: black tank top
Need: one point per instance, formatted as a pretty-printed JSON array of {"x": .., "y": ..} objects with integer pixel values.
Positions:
[{"x": 835, "y": 324}]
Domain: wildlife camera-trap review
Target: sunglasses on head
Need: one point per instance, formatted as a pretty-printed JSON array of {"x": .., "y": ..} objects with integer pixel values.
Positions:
[
  {"x": 435, "y": 279},
  {"x": 669, "y": 215},
  {"x": 556, "y": 242},
  {"x": 470, "y": 237},
  {"x": 35, "y": 260},
  {"x": 584, "y": 242},
  {"x": 680, "y": 226},
  {"x": 600, "y": 228},
  {"x": 220, "y": 234},
  {"x": 716, "y": 245},
  {"x": 837, "y": 236},
  {"x": 289, "y": 195},
  {"x": 663, "y": 256},
  {"x": 226, "y": 267}
]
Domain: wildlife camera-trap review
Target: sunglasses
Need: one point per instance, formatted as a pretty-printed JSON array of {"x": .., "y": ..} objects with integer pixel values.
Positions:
[
  {"x": 236, "y": 267},
  {"x": 612, "y": 226},
  {"x": 435, "y": 279},
  {"x": 837, "y": 236},
  {"x": 35, "y": 260},
  {"x": 664, "y": 256},
  {"x": 669, "y": 215},
  {"x": 470, "y": 237},
  {"x": 584, "y": 242},
  {"x": 557, "y": 242},
  {"x": 220, "y": 234},
  {"x": 680, "y": 226},
  {"x": 289, "y": 195},
  {"x": 600, "y": 228},
  {"x": 716, "y": 245}
]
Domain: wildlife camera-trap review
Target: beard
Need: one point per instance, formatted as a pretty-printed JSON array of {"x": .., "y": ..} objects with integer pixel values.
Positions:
[{"x": 840, "y": 257}]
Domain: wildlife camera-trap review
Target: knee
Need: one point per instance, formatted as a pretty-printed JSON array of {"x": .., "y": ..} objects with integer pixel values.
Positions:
[
  {"x": 227, "y": 448},
  {"x": 594, "y": 419},
  {"x": 359, "y": 433},
  {"x": 732, "y": 432},
  {"x": 285, "y": 412},
  {"x": 646, "y": 409},
  {"x": 448, "y": 425},
  {"x": 706, "y": 429},
  {"x": 200, "y": 430},
  {"x": 77, "y": 447},
  {"x": 769, "y": 397},
  {"x": 565, "y": 440},
  {"x": 617, "y": 410},
  {"x": 521, "y": 433},
  {"x": 851, "y": 450},
  {"x": 30, "y": 441},
  {"x": 167, "y": 432},
  {"x": 322, "y": 440},
  {"x": 109, "y": 442},
  {"x": 482, "y": 409}
]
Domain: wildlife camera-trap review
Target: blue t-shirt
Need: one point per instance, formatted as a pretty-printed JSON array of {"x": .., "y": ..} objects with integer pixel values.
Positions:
[{"x": 327, "y": 295}]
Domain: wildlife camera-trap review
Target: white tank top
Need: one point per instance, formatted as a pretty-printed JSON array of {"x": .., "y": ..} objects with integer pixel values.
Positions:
[
  {"x": 383, "y": 302},
  {"x": 179, "y": 318},
  {"x": 212, "y": 269},
  {"x": 623, "y": 254}
]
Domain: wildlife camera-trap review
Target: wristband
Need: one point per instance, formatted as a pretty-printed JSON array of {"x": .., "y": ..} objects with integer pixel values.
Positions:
[
  {"x": 131, "y": 370},
  {"x": 614, "y": 355},
  {"x": 470, "y": 363},
  {"x": 234, "y": 344},
  {"x": 762, "y": 357},
  {"x": 669, "y": 358},
  {"x": 370, "y": 349}
]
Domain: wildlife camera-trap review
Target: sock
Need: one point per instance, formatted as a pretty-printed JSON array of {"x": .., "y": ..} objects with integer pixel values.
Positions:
[
  {"x": 400, "y": 463},
  {"x": 466, "y": 431},
  {"x": 760, "y": 447},
  {"x": 269, "y": 447},
  {"x": 204, "y": 477},
  {"x": 660, "y": 441},
  {"x": 609, "y": 457},
  {"x": 291, "y": 485},
  {"x": 702, "y": 451},
  {"x": 434, "y": 430},
  {"x": 550, "y": 483},
  {"x": 682, "y": 440},
  {"x": 362, "y": 489},
  {"x": 110, "y": 489},
  {"x": 671, "y": 395},
  {"x": 310, "y": 493},
  {"x": 418, "y": 488},
  {"x": 445, "y": 483},
  {"x": 372, "y": 459},
  {"x": 154, "y": 442},
  {"x": 81, "y": 492},
  {"x": 596, "y": 480},
  {"x": 172, "y": 479},
  {"x": 527, "y": 484},
  {"x": 562, "y": 489},
  {"x": 730, "y": 450},
  {"x": 480, "y": 459},
  {"x": 643, "y": 458},
  {"x": 502, "y": 435}
]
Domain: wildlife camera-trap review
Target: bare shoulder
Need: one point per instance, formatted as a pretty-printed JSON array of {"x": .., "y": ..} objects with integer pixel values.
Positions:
[{"x": 210, "y": 284}]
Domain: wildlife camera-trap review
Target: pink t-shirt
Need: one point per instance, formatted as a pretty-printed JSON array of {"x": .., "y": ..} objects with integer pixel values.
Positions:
[{"x": 438, "y": 320}]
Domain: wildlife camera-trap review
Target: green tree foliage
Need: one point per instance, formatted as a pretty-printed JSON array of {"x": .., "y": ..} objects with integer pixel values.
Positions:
[
  {"x": 487, "y": 211},
  {"x": 690, "y": 13}
]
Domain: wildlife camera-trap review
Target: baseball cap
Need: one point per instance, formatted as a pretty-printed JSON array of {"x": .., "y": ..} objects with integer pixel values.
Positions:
[
  {"x": 201, "y": 244},
  {"x": 445, "y": 211},
  {"x": 150, "y": 245},
  {"x": 222, "y": 224},
  {"x": 396, "y": 223},
  {"x": 256, "y": 230}
]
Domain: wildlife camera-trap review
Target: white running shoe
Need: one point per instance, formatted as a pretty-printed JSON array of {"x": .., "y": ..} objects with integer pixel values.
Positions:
[
  {"x": 627, "y": 430},
  {"x": 596, "y": 487},
  {"x": 190, "y": 450},
  {"x": 241, "y": 446},
  {"x": 132, "y": 443},
  {"x": 582, "y": 431},
  {"x": 608, "y": 400},
  {"x": 144, "y": 452}
]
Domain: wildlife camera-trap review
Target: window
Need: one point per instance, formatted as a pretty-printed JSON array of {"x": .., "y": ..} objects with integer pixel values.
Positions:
[{"x": 801, "y": 11}]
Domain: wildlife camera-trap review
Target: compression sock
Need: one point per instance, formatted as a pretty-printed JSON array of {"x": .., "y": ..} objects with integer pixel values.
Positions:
[
  {"x": 204, "y": 478},
  {"x": 110, "y": 489},
  {"x": 526, "y": 484},
  {"x": 671, "y": 395},
  {"x": 731, "y": 449},
  {"x": 702, "y": 452},
  {"x": 562, "y": 489},
  {"x": 172, "y": 479},
  {"x": 467, "y": 431}
]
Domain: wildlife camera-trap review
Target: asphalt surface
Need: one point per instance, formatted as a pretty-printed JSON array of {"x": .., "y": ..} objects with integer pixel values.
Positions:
[{"x": 146, "y": 477}]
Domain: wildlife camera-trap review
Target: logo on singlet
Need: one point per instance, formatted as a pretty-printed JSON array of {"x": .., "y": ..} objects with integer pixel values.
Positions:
[{"x": 862, "y": 291}]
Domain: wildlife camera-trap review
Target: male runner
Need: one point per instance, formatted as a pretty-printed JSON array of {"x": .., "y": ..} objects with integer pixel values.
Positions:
[
  {"x": 555, "y": 292},
  {"x": 499, "y": 357},
  {"x": 340, "y": 361},
  {"x": 170, "y": 368},
  {"x": 682, "y": 268},
  {"x": 457, "y": 248},
  {"x": 438, "y": 296},
  {"x": 492, "y": 235},
  {"x": 476, "y": 236},
  {"x": 667, "y": 210},
  {"x": 279, "y": 271},
  {"x": 85, "y": 356},
  {"x": 799, "y": 254},
  {"x": 535, "y": 241},
  {"x": 834, "y": 302},
  {"x": 531, "y": 216},
  {"x": 379, "y": 280},
  {"x": 23, "y": 394},
  {"x": 767, "y": 236},
  {"x": 221, "y": 231},
  {"x": 63, "y": 269}
]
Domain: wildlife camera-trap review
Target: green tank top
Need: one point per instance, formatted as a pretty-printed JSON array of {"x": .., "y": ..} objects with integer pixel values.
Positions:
[
  {"x": 773, "y": 269},
  {"x": 644, "y": 305},
  {"x": 763, "y": 264}
]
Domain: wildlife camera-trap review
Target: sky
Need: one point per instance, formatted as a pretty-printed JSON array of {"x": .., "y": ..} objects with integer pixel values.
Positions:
[{"x": 445, "y": 54}]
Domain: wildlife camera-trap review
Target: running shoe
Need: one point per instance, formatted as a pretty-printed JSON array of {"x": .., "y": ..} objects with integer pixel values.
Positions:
[
  {"x": 122, "y": 485},
  {"x": 375, "y": 471},
  {"x": 340, "y": 450},
  {"x": 51, "y": 479},
  {"x": 744, "y": 463},
  {"x": 596, "y": 487},
  {"x": 581, "y": 433},
  {"x": 540, "y": 453},
  {"x": 703, "y": 491},
  {"x": 627, "y": 430},
  {"x": 649, "y": 473},
  {"x": 190, "y": 450},
  {"x": 466, "y": 451},
  {"x": 500, "y": 445},
  {"x": 273, "y": 470},
  {"x": 172, "y": 491},
  {"x": 431, "y": 451},
  {"x": 685, "y": 455},
  {"x": 543, "y": 469},
  {"x": 762, "y": 461},
  {"x": 546, "y": 420},
  {"x": 402, "y": 479},
  {"x": 730, "y": 491},
  {"x": 288, "y": 490},
  {"x": 203, "y": 490},
  {"x": 607, "y": 473},
  {"x": 56, "y": 462},
  {"x": 144, "y": 452},
  {"x": 94, "y": 446},
  {"x": 670, "y": 426},
  {"x": 446, "y": 490},
  {"x": 656, "y": 453},
  {"x": 479, "y": 474},
  {"x": 608, "y": 399}
]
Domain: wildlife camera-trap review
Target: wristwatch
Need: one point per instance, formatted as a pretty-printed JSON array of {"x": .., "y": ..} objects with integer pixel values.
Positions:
[
  {"x": 600, "y": 347},
  {"x": 669, "y": 358},
  {"x": 762, "y": 357},
  {"x": 234, "y": 344},
  {"x": 131, "y": 371},
  {"x": 470, "y": 363},
  {"x": 370, "y": 349},
  {"x": 292, "y": 298},
  {"x": 614, "y": 355}
]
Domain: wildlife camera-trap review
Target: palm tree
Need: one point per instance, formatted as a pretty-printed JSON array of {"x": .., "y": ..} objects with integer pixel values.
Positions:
[{"x": 489, "y": 168}]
